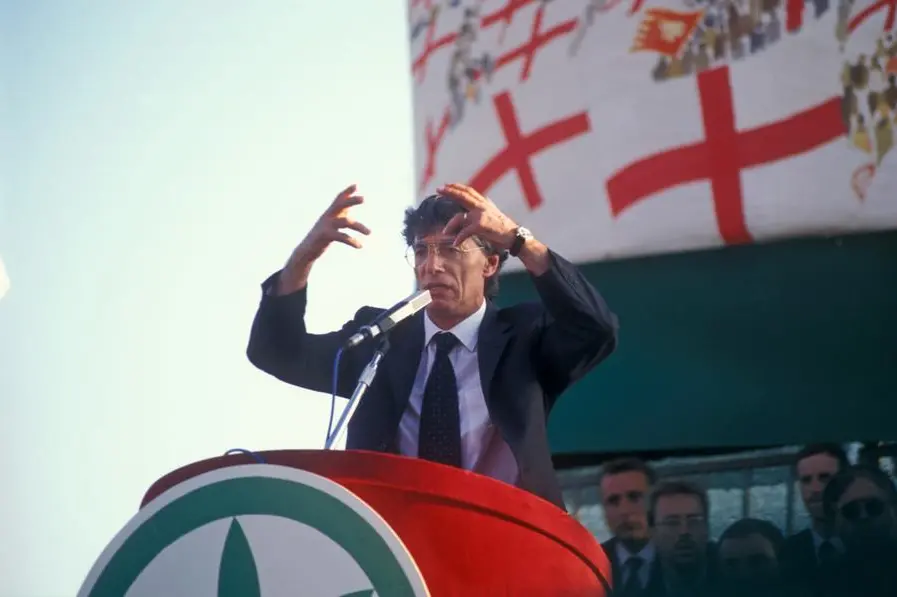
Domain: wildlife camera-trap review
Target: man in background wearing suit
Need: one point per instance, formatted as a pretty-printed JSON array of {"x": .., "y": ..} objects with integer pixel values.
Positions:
[
  {"x": 465, "y": 383},
  {"x": 625, "y": 486},
  {"x": 679, "y": 515},
  {"x": 808, "y": 556}
]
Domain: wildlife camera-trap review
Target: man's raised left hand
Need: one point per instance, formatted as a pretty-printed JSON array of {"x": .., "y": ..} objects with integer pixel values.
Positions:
[{"x": 483, "y": 218}]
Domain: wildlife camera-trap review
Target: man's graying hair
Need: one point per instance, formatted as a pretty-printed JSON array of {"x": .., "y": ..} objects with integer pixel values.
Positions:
[{"x": 432, "y": 214}]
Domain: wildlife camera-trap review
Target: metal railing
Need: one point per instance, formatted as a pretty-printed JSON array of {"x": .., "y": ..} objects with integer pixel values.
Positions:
[{"x": 740, "y": 472}]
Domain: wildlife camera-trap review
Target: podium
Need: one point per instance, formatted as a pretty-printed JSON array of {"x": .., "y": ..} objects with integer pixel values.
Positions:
[{"x": 451, "y": 531}]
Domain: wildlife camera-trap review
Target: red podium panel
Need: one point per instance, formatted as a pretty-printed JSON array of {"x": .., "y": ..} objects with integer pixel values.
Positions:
[{"x": 469, "y": 534}]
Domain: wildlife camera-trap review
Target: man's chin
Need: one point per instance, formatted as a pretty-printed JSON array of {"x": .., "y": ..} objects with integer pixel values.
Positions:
[
  {"x": 442, "y": 299},
  {"x": 632, "y": 535},
  {"x": 441, "y": 304},
  {"x": 685, "y": 555}
]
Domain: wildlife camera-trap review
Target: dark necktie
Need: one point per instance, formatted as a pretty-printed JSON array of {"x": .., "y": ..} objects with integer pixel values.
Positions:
[
  {"x": 827, "y": 553},
  {"x": 633, "y": 583},
  {"x": 440, "y": 422}
]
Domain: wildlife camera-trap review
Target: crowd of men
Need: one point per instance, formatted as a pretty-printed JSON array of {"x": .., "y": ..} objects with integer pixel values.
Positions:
[{"x": 661, "y": 545}]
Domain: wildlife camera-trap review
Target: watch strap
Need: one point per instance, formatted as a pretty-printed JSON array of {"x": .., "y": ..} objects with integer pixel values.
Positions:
[{"x": 519, "y": 240}]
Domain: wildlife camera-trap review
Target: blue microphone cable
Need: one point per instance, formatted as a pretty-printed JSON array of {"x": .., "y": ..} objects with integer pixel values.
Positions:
[
  {"x": 333, "y": 390},
  {"x": 249, "y": 453}
]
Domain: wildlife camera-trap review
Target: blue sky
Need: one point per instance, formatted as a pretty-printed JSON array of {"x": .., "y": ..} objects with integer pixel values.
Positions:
[{"x": 160, "y": 159}]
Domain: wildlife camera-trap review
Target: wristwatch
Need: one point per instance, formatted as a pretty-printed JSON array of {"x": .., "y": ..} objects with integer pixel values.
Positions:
[{"x": 521, "y": 235}]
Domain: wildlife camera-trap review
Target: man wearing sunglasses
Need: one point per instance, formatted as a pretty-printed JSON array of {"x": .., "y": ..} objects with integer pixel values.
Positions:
[
  {"x": 861, "y": 502},
  {"x": 464, "y": 383}
]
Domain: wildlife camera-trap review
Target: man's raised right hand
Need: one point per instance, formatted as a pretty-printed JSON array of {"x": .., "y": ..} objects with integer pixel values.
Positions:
[{"x": 330, "y": 227}]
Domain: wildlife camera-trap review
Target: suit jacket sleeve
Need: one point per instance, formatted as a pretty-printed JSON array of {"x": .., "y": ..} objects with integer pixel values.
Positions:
[
  {"x": 280, "y": 344},
  {"x": 578, "y": 330}
]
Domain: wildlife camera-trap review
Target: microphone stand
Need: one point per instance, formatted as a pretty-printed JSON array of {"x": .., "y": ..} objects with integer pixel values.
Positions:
[{"x": 364, "y": 382}]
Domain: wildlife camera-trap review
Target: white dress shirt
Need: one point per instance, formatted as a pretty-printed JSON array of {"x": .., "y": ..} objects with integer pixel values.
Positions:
[{"x": 483, "y": 450}]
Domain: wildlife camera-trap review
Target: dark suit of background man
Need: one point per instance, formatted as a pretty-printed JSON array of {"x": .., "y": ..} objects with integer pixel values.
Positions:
[{"x": 464, "y": 383}]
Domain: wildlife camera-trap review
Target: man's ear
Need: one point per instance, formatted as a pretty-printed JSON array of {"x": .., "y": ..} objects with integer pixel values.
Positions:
[{"x": 490, "y": 268}]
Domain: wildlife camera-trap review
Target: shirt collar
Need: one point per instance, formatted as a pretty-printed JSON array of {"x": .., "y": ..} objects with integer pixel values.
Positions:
[
  {"x": 818, "y": 540},
  {"x": 466, "y": 331},
  {"x": 646, "y": 553}
]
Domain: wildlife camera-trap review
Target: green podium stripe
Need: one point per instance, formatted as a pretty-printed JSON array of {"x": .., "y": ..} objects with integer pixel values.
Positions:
[
  {"x": 237, "y": 576},
  {"x": 262, "y": 496}
]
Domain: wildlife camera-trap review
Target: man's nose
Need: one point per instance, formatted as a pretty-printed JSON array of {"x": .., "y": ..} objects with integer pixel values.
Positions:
[
  {"x": 629, "y": 509},
  {"x": 433, "y": 262}
]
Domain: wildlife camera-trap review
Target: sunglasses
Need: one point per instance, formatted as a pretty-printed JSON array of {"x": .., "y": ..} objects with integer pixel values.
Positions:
[
  {"x": 752, "y": 563},
  {"x": 863, "y": 508}
]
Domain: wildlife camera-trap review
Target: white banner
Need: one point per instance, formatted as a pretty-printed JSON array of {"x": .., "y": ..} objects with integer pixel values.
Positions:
[
  {"x": 4, "y": 279},
  {"x": 616, "y": 128}
]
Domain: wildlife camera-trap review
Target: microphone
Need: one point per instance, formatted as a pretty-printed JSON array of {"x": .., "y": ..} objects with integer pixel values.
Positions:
[{"x": 390, "y": 318}]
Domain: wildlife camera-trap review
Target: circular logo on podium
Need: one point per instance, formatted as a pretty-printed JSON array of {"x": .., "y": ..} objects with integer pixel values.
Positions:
[{"x": 255, "y": 530}]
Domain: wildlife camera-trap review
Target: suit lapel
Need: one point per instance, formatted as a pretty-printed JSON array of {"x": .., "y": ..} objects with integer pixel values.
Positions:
[
  {"x": 655, "y": 577},
  {"x": 491, "y": 342},
  {"x": 610, "y": 550},
  {"x": 406, "y": 349}
]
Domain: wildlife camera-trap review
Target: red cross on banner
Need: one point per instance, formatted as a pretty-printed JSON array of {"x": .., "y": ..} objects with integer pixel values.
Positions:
[
  {"x": 636, "y": 6},
  {"x": 521, "y": 147},
  {"x": 433, "y": 141},
  {"x": 431, "y": 45},
  {"x": 794, "y": 15},
  {"x": 724, "y": 153},
  {"x": 434, "y": 135},
  {"x": 538, "y": 39},
  {"x": 889, "y": 5},
  {"x": 505, "y": 14}
]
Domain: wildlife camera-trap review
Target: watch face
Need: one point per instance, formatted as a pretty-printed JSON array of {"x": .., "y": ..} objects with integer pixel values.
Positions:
[{"x": 524, "y": 233}]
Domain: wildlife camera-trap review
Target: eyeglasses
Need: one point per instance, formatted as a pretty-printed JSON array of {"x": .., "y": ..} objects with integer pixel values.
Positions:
[
  {"x": 692, "y": 523},
  {"x": 863, "y": 508},
  {"x": 418, "y": 253}
]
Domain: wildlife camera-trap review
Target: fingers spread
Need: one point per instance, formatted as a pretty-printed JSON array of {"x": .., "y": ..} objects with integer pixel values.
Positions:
[
  {"x": 346, "y": 192},
  {"x": 344, "y": 222},
  {"x": 463, "y": 194},
  {"x": 345, "y": 200},
  {"x": 345, "y": 203},
  {"x": 346, "y": 239},
  {"x": 465, "y": 233},
  {"x": 455, "y": 224}
]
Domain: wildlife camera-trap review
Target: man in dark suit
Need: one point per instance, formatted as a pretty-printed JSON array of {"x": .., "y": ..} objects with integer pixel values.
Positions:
[
  {"x": 679, "y": 515},
  {"x": 625, "y": 486},
  {"x": 464, "y": 383},
  {"x": 808, "y": 556}
]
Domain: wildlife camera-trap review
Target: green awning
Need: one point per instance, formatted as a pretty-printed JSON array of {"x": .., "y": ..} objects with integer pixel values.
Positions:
[{"x": 756, "y": 345}]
